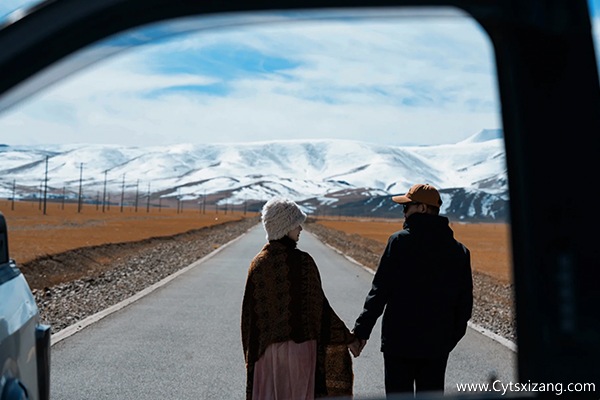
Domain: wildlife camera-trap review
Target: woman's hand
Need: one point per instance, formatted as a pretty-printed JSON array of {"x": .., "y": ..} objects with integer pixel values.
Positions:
[{"x": 356, "y": 346}]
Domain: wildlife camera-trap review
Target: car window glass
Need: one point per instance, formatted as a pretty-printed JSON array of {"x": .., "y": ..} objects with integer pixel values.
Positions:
[{"x": 337, "y": 111}]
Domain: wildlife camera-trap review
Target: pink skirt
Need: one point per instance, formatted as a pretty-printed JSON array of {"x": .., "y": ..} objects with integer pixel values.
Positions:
[{"x": 286, "y": 372}]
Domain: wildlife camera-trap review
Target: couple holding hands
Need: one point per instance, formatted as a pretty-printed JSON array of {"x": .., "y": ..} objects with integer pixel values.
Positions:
[{"x": 296, "y": 347}]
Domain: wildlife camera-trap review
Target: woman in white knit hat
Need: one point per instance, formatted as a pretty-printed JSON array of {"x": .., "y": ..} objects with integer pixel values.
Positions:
[{"x": 295, "y": 346}]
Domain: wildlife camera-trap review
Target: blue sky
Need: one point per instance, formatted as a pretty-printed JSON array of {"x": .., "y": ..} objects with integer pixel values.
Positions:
[{"x": 393, "y": 80}]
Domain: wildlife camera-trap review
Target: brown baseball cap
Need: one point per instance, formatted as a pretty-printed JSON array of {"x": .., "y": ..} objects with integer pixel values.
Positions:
[{"x": 420, "y": 193}]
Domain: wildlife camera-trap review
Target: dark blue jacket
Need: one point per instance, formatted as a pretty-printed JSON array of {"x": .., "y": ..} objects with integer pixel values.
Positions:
[{"x": 424, "y": 284}]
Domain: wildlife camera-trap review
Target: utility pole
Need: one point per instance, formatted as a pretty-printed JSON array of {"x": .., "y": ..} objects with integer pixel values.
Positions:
[
  {"x": 148, "y": 200},
  {"x": 45, "y": 185},
  {"x": 137, "y": 194},
  {"x": 62, "y": 207},
  {"x": 204, "y": 203},
  {"x": 12, "y": 205},
  {"x": 122, "y": 192},
  {"x": 40, "y": 194},
  {"x": 79, "y": 199},
  {"x": 104, "y": 192}
]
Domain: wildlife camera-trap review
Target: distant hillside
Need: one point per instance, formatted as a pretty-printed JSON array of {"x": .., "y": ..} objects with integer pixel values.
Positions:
[{"x": 325, "y": 176}]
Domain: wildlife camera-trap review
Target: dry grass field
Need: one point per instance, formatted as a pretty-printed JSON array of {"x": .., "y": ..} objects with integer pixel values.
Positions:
[
  {"x": 33, "y": 235},
  {"x": 114, "y": 254},
  {"x": 489, "y": 243}
]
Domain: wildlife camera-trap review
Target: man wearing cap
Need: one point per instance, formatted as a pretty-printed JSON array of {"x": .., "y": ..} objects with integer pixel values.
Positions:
[{"x": 424, "y": 284}]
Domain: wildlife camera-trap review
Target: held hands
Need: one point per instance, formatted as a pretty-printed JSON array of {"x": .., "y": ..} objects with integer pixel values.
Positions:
[{"x": 357, "y": 346}]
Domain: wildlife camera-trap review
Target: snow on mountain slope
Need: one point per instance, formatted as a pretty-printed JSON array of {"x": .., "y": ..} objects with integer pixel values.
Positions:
[{"x": 300, "y": 169}]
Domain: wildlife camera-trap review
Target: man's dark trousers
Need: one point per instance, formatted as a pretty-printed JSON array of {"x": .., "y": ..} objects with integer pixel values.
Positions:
[{"x": 404, "y": 374}]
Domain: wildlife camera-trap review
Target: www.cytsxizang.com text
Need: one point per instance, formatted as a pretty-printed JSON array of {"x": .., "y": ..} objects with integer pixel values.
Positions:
[{"x": 504, "y": 388}]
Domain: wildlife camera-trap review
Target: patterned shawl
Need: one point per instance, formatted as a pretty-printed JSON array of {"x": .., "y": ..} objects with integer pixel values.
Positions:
[{"x": 284, "y": 300}]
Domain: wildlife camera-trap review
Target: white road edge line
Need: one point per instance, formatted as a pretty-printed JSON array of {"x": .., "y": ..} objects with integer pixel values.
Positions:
[
  {"x": 78, "y": 326},
  {"x": 486, "y": 332}
]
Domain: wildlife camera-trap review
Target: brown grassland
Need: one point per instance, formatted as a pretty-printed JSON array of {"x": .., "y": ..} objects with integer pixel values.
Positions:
[
  {"x": 63, "y": 251},
  {"x": 33, "y": 235},
  {"x": 489, "y": 242}
]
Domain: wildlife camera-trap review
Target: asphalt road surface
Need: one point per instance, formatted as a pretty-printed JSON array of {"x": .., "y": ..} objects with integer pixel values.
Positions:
[{"x": 182, "y": 341}]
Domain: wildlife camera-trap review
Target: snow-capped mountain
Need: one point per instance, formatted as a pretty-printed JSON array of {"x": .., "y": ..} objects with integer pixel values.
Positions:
[{"x": 348, "y": 176}]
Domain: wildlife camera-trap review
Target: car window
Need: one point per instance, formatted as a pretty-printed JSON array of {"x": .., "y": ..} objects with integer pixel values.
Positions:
[
  {"x": 337, "y": 110},
  {"x": 417, "y": 87}
]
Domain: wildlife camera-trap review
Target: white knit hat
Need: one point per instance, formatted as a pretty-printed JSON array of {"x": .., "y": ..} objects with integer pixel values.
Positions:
[{"x": 279, "y": 216}]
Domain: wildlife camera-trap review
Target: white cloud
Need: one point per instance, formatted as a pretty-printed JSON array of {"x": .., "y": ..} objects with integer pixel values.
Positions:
[{"x": 404, "y": 82}]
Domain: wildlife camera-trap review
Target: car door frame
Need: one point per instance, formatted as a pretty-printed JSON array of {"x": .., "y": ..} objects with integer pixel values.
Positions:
[{"x": 550, "y": 103}]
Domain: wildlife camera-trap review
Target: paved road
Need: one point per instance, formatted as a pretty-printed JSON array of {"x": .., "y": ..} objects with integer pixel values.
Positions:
[{"x": 183, "y": 340}]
